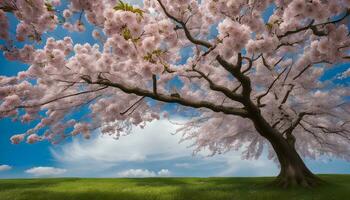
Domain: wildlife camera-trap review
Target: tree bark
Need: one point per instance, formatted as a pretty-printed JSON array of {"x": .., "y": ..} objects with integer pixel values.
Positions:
[{"x": 293, "y": 172}]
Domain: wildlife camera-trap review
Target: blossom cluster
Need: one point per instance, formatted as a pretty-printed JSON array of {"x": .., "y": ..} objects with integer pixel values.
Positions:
[
  {"x": 234, "y": 37},
  {"x": 35, "y": 17},
  {"x": 298, "y": 10},
  {"x": 93, "y": 11}
]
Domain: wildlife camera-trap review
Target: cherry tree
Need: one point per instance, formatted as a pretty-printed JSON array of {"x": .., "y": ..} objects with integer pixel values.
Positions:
[{"x": 249, "y": 83}]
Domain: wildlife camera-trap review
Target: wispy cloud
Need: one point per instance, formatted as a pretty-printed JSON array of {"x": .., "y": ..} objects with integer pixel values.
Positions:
[
  {"x": 238, "y": 167},
  {"x": 183, "y": 165},
  {"x": 45, "y": 171},
  {"x": 5, "y": 168}
]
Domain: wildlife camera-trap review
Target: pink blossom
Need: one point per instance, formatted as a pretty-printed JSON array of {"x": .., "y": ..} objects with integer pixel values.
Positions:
[
  {"x": 16, "y": 139},
  {"x": 96, "y": 34},
  {"x": 79, "y": 26},
  {"x": 68, "y": 26},
  {"x": 67, "y": 13},
  {"x": 33, "y": 138}
]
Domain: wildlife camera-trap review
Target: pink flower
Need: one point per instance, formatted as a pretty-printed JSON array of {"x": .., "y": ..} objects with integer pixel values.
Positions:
[
  {"x": 149, "y": 43},
  {"x": 298, "y": 6},
  {"x": 16, "y": 139},
  {"x": 96, "y": 34},
  {"x": 27, "y": 118},
  {"x": 33, "y": 138},
  {"x": 68, "y": 26},
  {"x": 79, "y": 26},
  {"x": 67, "y": 14}
]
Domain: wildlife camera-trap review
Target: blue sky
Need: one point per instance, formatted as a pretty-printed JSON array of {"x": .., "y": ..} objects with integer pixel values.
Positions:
[{"x": 152, "y": 151}]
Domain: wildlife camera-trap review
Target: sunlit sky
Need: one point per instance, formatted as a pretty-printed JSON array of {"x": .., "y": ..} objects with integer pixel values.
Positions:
[{"x": 153, "y": 151}]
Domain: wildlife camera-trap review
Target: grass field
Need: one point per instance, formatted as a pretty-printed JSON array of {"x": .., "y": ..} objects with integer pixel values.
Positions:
[{"x": 337, "y": 188}]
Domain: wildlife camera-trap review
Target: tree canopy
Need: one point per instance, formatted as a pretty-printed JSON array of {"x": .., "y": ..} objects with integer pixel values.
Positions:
[{"x": 251, "y": 81}]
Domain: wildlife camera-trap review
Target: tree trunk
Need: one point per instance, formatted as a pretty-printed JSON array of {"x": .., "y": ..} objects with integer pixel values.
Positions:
[{"x": 293, "y": 169}]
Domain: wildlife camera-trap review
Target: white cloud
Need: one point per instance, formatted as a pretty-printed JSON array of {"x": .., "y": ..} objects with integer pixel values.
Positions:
[
  {"x": 155, "y": 142},
  {"x": 152, "y": 146},
  {"x": 141, "y": 173},
  {"x": 5, "y": 167},
  {"x": 136, "y": 173},
  {"x": 164, "y": 172},
  {"x": 45, "y": 171}
]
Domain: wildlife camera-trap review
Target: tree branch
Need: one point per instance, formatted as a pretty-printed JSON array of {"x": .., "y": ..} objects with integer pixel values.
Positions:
[
  {"x": 154, "y": 80},
  {"x": 314, "y": 27},
  {"x": 270, "y": 87},
  {"x": 250, "y": 64},
  {"x": 53, "y": 100},
  {"x": 183, "y": 24},
  {"x": 296, "y": 122},
  {"x": 243, "y": 79},
  {"x": 174, "y": 99},
  {"x": 127, "y": 110},
  {"x": 233, "y": 69},
  {"x": 302, "y": 71},
  {"x": 213, "y": 86},
  {"x": 284, "y": 100}
]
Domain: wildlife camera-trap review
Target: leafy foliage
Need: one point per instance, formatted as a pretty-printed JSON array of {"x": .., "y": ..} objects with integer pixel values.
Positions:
[
  {"x": 49, "y": 6},
  {"x": 128, "y": 7},
  {"x": 150, "y": 55}
]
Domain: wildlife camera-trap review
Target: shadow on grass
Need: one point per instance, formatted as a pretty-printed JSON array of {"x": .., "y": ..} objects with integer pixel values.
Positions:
[
  {"x": 86, "y": 195},
  {"x": 159, "y": 182},
  {"x": 32, "y": 183}
]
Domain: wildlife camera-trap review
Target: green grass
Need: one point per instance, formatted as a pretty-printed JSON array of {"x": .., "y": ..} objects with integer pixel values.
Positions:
[{"x": 337, "y": 188}]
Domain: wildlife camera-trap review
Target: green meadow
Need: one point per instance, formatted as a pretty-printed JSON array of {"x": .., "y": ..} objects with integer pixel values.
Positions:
[{"x": 337, "y": 187}]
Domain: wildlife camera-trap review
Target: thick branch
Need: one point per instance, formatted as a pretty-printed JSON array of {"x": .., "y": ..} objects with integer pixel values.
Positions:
[
  {"x": 233, "y": 69},
  {"x": 243, "y": 79},
  {"x": 174, "y": 99}
]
